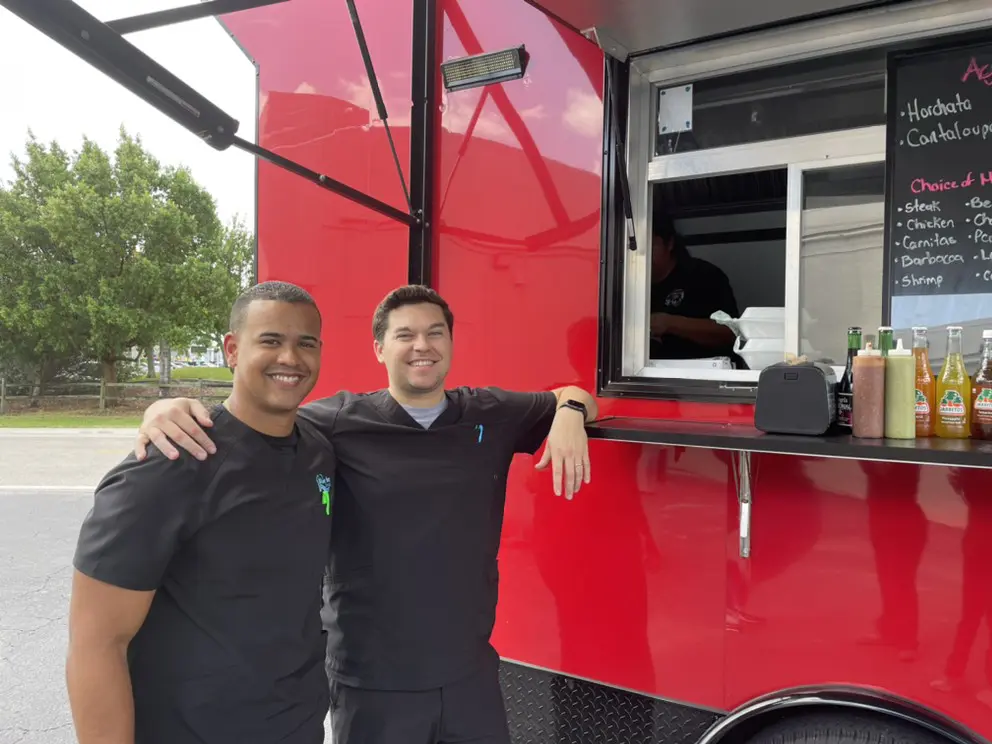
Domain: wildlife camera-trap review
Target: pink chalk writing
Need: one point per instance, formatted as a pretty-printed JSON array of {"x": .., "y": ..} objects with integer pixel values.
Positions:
[
  {"x": 983, "y": 73},
  {"x": 922, "y": 185}
]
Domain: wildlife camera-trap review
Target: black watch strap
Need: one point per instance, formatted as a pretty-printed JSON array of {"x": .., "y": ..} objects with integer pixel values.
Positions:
[{"x": 576, "y": 406}]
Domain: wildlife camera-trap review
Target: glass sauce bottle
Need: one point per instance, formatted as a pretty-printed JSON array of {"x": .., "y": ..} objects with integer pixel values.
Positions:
[
  {"x": 845, "y": 390},
  {"x": 981, "y": 388},
  {"x": 953, "y": 391},
  {"x": 926, "y": 388}
]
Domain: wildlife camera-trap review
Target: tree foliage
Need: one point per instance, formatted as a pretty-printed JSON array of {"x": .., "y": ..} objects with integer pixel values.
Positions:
[{"x": 100, "y": 255}]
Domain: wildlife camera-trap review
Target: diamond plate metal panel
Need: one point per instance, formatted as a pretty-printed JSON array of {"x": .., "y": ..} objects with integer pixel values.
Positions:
[{"x": 546, "y": 708}]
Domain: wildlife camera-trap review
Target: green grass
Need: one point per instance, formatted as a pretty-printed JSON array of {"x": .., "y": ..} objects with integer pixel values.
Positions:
[
  {"x": 68, "y": 420},
  {"x": 216, "y": 374}
]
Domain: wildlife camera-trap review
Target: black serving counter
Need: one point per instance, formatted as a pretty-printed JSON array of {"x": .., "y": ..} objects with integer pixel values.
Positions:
[{"x": 968, "y": 453}]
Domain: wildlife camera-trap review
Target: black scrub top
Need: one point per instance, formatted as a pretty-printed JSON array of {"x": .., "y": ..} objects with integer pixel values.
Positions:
[
  {"x": 694, "y": 289},
  {"x": 411, "y": 586},
  {"x": 235, "y": 547}
]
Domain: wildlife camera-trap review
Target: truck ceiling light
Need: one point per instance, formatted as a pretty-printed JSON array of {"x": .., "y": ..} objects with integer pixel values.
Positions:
[{"x": 485, "y": 69}]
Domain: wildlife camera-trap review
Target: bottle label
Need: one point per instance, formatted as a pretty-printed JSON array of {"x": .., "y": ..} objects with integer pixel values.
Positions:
[
  {"x": 951, "y": 405},
  {"x": 983, "y": 405},
  {"x": 922, "y": 404},
  {"x": 845, "y": 409}
]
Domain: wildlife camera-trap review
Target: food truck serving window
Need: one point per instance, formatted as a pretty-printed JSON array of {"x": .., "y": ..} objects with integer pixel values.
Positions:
[{"x": 770, "y": 214}]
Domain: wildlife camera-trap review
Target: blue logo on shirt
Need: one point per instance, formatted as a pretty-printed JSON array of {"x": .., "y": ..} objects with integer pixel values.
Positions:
[
  {"x": 479, "y": 428},
  {"x": 324, "y": 486}
]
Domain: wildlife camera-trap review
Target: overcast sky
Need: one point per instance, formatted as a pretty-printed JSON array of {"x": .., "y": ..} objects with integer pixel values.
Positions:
[{"x": 60, "y": 97}]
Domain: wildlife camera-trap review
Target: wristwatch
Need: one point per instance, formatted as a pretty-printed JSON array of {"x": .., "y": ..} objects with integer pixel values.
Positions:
[{"x": 575, "y": 406}]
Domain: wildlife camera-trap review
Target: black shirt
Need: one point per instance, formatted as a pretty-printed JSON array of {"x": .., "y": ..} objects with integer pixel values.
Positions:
[
  {"x": 235, "y": 546},
  {"x": 694, "y": 289},
  {"x": 411, "y": 586}
]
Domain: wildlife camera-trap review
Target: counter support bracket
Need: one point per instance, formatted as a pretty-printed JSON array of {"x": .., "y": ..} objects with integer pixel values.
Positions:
[{"x": 742, "y": 477}]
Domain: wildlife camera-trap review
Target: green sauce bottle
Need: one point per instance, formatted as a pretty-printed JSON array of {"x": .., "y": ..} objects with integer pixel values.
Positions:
[{"x": 900, "y": 393}]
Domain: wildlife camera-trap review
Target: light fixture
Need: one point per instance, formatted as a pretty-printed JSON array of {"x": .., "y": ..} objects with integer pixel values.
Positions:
[{"x": 485, "y": 69}]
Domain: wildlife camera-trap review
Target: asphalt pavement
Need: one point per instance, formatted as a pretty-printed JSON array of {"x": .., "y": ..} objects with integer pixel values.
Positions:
[{"x": 47, "y": 477}]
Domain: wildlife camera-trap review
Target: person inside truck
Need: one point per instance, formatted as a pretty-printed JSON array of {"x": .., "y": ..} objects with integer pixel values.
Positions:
[
  {"x": 193, "y": 614},
  {"x": 685, "y": 292},
  {"x": 411, "y": 585}
]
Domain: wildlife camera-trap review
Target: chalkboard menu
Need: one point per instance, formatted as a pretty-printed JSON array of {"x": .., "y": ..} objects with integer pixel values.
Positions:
[{"x": 940, "y": 173}]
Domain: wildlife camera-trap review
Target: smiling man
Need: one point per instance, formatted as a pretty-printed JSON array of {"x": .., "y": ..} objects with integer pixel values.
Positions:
[
  {"x": 194, "y": 613},
  {"x": 410, "y": 590}
]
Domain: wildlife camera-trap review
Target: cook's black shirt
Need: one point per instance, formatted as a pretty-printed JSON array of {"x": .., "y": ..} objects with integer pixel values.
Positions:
[
  {"x": 411, "y": 586},
  {"x": 235, "y": 547},
  {"x": 694, "y": 289}
]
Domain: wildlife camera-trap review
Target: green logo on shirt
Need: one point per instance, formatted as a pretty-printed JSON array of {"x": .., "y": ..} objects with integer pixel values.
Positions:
[{"x": 324, "y": 486}]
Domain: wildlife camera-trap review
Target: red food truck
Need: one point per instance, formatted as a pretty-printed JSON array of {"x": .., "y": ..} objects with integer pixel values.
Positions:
[{"x": 829, "y": 160}]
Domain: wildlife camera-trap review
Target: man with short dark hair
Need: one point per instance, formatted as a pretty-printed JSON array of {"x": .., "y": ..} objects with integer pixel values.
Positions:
[
  {"x": 410, "y": 590},
  {"x": 194, "y": 613},
  {"x": 411, "y": 294}
]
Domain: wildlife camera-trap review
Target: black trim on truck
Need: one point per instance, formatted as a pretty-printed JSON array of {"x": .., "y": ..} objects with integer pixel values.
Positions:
[
  {"x": 958, "y": 453},
  {"x": 547, "y": 706},
  {"x": 553, "y": 708},
  {"x": 745, "y": 722},
  {"x": 610, "y": 380},
  {"x": 422, "y": 137}
]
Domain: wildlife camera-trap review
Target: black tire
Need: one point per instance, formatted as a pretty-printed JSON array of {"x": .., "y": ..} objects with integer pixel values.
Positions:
[{"x": 845, "y": 727}]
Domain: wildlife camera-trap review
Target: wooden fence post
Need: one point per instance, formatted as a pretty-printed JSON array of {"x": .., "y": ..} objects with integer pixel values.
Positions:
[
  {"x": 3, "y": 395},
  {"x": 103, "y": 395}
]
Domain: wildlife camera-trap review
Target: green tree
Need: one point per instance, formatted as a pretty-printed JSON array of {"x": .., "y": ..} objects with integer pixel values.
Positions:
[
  {"x": 35, "y": 341},
  {"x": 103, "y": 255}
]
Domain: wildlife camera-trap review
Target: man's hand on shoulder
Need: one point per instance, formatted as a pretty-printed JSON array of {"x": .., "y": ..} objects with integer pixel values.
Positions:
[{"x": 176, "y": 420}]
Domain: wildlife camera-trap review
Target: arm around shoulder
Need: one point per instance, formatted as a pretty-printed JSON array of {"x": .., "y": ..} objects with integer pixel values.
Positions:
[
  {"x": 323, "y": 413},
  {"x": 175, "y": 420}
]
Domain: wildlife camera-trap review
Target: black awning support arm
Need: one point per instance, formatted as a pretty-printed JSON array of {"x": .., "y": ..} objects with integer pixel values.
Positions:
[
  {"x": 326, "y": 182},
  {"x": 380, "y": 104},
  {"x": 168, "y": 17},
  {"x": 95, "y": 43}
]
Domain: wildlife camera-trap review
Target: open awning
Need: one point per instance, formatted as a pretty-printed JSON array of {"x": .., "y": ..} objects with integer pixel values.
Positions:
[
  {"x": 102, "y": 45},
  {"x": 632, "y": 27}
]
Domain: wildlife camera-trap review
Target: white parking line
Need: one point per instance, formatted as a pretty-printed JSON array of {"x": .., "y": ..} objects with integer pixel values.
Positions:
[
  {"x": 46, "y": 433},
  {"x": 74, "y": 489}
]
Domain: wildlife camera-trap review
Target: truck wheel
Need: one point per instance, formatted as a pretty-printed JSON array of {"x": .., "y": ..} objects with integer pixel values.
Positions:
[{"x": 844, "y": 728}]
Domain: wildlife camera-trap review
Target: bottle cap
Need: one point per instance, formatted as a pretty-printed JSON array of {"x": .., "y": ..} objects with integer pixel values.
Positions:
[
  {"x": 868, "y": 351},
  {"x": 954, "y": 328},
  {"x": 899, "y": 350},
  {"x": 884, "y": 328}
]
